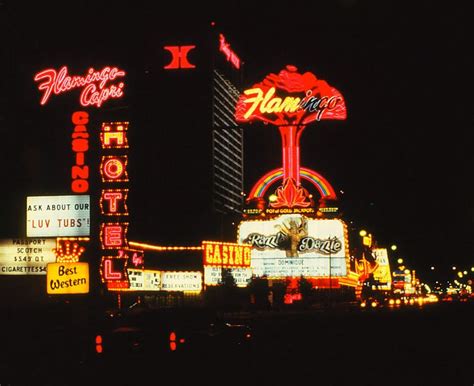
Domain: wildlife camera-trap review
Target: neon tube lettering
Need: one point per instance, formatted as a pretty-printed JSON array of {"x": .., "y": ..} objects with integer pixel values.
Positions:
[
  {"x": 108, "y": 273},
  {"x": 57, "y": 82},
  {"x": 112, "y": 198}
]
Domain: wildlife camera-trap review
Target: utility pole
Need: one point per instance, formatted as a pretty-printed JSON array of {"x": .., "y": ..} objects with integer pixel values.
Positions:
[{"x": 330, "y": 284}]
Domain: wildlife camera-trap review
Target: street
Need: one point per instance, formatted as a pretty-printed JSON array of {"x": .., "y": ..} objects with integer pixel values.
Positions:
[{"x": 412, "y": 345}]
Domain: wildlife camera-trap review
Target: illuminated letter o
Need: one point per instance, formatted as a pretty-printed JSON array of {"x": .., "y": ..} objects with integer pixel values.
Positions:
[
  {"x": 333, "y": 101},
  {"x": 113, "y": 168},
  {"x": 80, "y": 186}
]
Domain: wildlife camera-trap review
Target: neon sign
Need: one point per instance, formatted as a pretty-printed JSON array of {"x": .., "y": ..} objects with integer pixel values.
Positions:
[
  {"x": 113, "y": 206},
  {"x": 267, "y": 103},
  {"x": 226, "y": 254},
  {"x": 230, "y": 55},
  {"x": 135, "y": 257},
  {"x": 67, "y": 278},
  {"x": 68, "y": 250},
  {"x": 80, "y": 145},
  {"x": 290, "y": 101},
  {"x": 113, "y": 272},
  {"x": 304, "y": 99},
  {"x": 113, "y": 202},
  {"x": 108, "y": 273},
  {"x": 114, "y": 168},
  {"x": 114, "y": 135},
  {"x": 179, "y": 57},
  {"x": 95, "y": 90},
  {"x": 113, "y": 235}
]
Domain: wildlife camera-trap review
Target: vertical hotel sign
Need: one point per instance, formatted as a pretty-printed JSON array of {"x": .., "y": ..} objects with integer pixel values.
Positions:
[{"x": 113, "y": 205}]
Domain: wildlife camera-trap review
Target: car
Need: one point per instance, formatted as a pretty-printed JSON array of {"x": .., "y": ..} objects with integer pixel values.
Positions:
[
  {"x": 221, "y": 334},
  {"x": 167, "y": 333},
  {"x": 375, "y": 300}
]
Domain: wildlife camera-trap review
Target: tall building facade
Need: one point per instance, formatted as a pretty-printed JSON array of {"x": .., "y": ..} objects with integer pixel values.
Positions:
[{"x": 190, "y": 157}]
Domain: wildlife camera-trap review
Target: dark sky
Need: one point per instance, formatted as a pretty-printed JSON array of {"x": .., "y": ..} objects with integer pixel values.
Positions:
[{"x": 403, "y": 158}]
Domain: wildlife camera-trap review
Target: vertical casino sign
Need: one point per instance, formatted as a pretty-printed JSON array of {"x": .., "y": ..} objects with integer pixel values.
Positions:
[{"x": 80, "y": 146}]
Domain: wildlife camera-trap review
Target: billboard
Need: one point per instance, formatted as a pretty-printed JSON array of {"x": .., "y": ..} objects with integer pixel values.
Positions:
[
  {"x": 181, "y": 281},
  {"x": 58, "y": 216},
  {"x": 26, "y": 256},
  {"x": 382, "y": 272},
  {"x": 144, "y": 280},
  {"x": 293, "y": 245},
  {"x": 67, "y": 278},
  {"x": 150, "y": 280},
  {"x": 213, "y": 275}
]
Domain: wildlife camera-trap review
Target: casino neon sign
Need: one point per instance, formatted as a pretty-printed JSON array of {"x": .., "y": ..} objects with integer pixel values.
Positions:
[
  {"x": 268, "y": 103},
  {"x": 290, "y": 101},
  {"x": 95, "y": 87},
  {"x": 228, "y": 255},
  {"x": 230, "y": 55},
  {"x": 290, "y": 98}
]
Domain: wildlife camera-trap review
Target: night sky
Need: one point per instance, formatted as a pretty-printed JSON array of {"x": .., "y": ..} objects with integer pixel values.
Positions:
[{"x": 402, "y": 161}]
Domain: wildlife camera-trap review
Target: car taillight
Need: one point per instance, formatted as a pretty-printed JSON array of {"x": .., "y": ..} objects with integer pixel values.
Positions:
[
  {"x": 98, "y": 344},
  {"x": 172, "y": 341}
]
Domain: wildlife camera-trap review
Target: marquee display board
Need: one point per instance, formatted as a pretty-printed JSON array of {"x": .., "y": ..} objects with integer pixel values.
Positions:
[
  {"x": 294, "y": 245},
  {"x": 26, "y": 256}
]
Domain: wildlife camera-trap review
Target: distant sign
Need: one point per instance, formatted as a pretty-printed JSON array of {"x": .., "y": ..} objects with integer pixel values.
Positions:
[
  {"x": 181, "y": 281},
  {"x": 67, "y": 278},
  {"x": 26, "y": 256},
  {"x": 149, "y": 280},
  {"x": 144, "y": 280},
  {"x": 382, "y": 272},
  {"x": 229, "y": 54},
  {"x": 213, "y": 275},
  {"x": 58, "y": 216}
]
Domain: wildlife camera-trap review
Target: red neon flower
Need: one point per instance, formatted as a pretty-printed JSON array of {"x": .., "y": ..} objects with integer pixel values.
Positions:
[{"x": 289, "y": 195}]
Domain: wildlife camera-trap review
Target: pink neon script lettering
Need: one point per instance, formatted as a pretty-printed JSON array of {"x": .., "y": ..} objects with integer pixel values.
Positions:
[{"x": 59, "y": 82}]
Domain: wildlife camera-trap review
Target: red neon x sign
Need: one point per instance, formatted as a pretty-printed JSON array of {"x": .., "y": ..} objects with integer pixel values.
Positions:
[{"x": 179, "y": 57}]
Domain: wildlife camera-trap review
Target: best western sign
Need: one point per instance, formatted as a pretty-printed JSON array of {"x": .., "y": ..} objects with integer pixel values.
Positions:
[{"x": 67, "y": 278}]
